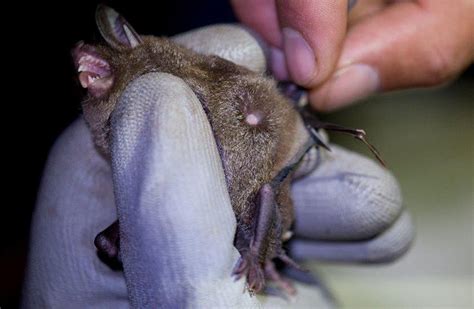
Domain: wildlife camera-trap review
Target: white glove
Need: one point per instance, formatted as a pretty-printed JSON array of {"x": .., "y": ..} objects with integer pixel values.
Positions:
[{"x": 176, "y": 221}]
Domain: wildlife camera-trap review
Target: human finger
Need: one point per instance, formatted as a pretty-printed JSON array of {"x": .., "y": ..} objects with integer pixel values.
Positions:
[{"x": 407, "y": 44}]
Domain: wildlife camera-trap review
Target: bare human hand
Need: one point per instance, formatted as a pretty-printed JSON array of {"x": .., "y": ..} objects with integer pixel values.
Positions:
[{"x": 379, "y": 46}]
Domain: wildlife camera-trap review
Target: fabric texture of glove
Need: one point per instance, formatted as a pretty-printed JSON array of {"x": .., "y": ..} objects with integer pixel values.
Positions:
[{"x": 349, "y": 209}]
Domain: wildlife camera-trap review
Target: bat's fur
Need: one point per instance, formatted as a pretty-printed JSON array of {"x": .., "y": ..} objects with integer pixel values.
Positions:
[{"x": 252, "y": 153}]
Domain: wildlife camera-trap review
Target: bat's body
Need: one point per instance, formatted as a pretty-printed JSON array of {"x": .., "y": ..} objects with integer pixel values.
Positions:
[
  {"x": 255, "y": 128},
  {"x": 251, "y": 121},
  {"x": 260, "y": 135}
]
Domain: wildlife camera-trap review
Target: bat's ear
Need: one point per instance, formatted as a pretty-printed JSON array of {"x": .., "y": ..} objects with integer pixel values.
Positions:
[{"x": 115, "y": 29}]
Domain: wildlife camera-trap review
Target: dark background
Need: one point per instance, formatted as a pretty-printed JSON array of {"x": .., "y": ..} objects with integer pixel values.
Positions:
[{"x": 44, "y": 97}]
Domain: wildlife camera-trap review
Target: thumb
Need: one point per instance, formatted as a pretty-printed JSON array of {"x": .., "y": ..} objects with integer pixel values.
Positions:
[
  {"x": 407, "y": 44},
  {"x": 313, "y": 33}
]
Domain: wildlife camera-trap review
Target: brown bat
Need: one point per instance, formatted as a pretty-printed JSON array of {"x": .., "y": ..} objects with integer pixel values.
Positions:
[{"x": 261, "y": 136}]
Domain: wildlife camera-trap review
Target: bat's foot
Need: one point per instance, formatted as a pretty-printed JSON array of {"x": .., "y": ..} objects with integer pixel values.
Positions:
[
  {"x": 249, "y": 266},
  {"x": 282, "y": 283},
  {"x": 256, "y": 274}
]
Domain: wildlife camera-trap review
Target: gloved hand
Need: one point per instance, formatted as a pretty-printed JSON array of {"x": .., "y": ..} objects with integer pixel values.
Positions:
[{"x": 167, "y": 187}]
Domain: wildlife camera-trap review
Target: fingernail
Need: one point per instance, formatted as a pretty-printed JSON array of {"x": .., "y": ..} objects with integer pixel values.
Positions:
[
  {"x": 278, "y": 64},
  {"x": 348, "y": 85},
  {"x": 300, "y": 58},
  {"x": 350, "y": 4}
]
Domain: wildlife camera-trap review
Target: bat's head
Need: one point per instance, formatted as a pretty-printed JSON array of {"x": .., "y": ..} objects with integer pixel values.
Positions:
[
  {"x": 105, "y": 69},
  {"x": 99, "y": 69},
  {"x": 93, "y": 63}
]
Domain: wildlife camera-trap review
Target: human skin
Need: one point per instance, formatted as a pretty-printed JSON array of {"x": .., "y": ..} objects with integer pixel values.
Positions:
[{"x": 379, "y": 46}]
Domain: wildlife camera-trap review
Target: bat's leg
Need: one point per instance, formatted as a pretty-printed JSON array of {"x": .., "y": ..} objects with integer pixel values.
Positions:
[
  {"x": 107, "y": 242},
  {"x": 253, "y": 257},
  {"x": 282, "y": 227}
]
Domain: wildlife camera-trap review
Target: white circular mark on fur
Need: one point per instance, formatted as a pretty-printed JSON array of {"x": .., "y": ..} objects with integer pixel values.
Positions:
[{"x": 253, "y": 119}]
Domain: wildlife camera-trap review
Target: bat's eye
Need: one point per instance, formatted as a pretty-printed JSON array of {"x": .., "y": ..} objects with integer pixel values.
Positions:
[{"x": 94, "y": 72}]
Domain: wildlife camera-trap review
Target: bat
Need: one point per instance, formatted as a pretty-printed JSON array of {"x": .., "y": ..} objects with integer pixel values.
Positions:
[{"x": 260, "y": 133}]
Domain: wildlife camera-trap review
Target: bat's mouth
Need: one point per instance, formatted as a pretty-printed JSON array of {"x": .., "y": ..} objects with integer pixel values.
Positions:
[{"x": 94, "y": 72}]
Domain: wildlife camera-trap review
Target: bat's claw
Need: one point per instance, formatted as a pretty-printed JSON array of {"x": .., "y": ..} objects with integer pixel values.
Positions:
[
  {"x": 256, "y": 273},
  {"x": 250, "y": 267},
  {"x": 283, "y": 284}
]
